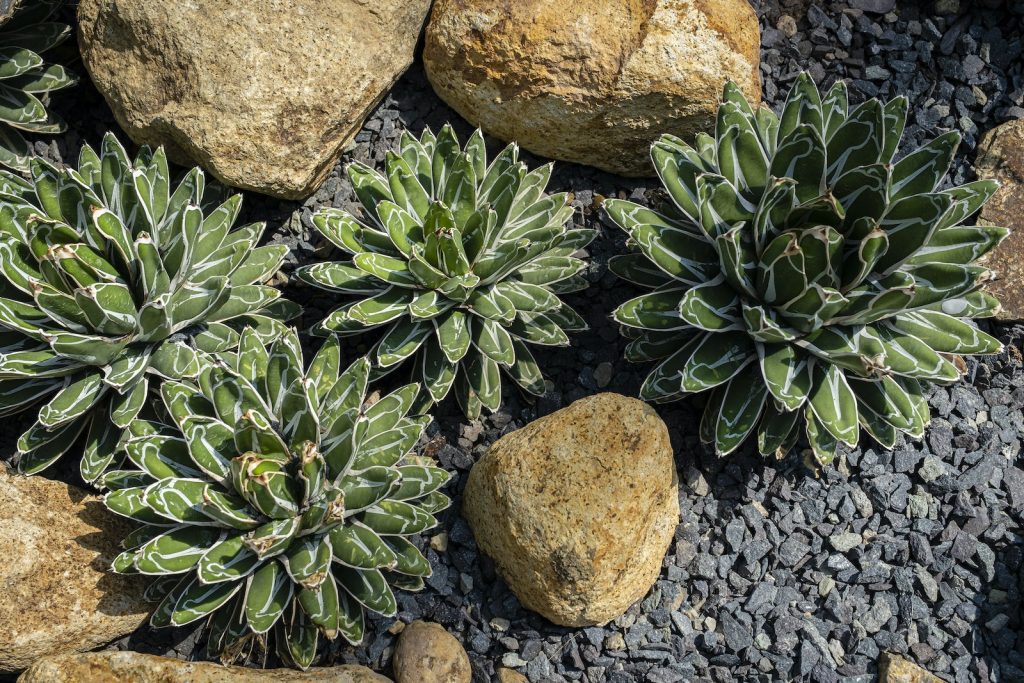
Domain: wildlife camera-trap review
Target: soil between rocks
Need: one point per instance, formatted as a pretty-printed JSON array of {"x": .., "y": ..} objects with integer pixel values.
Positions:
[{"x": 778, "y": 570}]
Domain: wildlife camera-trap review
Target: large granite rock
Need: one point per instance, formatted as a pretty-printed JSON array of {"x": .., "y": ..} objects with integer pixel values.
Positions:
[
  {"x": 56, "y": 595},
  {"x": 1001, "y": 156},
  {"x": 578, "y": 508},
  {"x": 264, "y": 94},
  {"x": 594, "y": 83},
  {"x": 118, "y": 667},
  {"x": 427, "y": 653}
]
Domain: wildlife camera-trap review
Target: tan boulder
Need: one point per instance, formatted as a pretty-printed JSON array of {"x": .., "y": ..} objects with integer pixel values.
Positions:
[
  {"x": 56, "y": 595},
  {"x": 578, "y": 508},
  {"x": 426, "y": 653},
  {"x": 1001, "y": 157},
  {"x": 596, "y": 83},
  {"x": 117, "y": 667},
  {"x": 893, "y": 668},
  {"x": 264, "y": 94}
]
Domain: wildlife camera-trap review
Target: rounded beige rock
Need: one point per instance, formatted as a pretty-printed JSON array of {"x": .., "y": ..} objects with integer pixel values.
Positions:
[
  {"x": 118, "y": 667},
  {"x": 1001, "y": 158},
  {"x": 595, "y": 83},
  {"x": 578, "y": 508},
  {"x": 427, "y": 653}
]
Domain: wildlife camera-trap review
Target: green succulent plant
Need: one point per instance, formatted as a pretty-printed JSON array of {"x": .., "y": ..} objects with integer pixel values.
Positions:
[
  {"x": 279, "y": 498},
  {"x": 799, "y": 272},
  {"x": 460, "y": 263},
  {"x": 27, "y": 33},
  {"x": 111, "y": 280}
]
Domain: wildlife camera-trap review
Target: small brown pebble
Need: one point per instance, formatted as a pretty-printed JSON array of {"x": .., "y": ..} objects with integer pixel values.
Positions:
[
  {"x": 510, "y": 676},
  {"x": 787, "y": 25},
  {"x": 427, "y": 653}
]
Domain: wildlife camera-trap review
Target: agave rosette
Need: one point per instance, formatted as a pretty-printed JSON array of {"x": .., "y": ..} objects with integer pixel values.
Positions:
[
  {"x": 277, "y": 499},
  {"x": 460, "y": 263},
  {"x": 800, "y": 275},
  {"x": 111, "y": 280},
  {"x": 27, "y": 33}
]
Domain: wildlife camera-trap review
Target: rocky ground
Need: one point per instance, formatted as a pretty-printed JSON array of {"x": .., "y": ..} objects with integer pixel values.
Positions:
[{"x": 779, "y": 570}]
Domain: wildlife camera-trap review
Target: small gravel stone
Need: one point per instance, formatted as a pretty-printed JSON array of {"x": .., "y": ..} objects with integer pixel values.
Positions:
[
  {"x": 845, "y": 541},
  {"x": 862, "y": 502},
  {"x": 928, "y": 584},
  {"x": 439, "y": 542},
  {"x": 615, "y": 642},
  {"x": 931, "y": 469},
  {"x": 792, "y": 550},
  {"x": 787, "y": 25},
  {"x": 696, "y": 481},
  {"x": 877, "y": 616},
  {"x": 997, "y": 623},
  {"x": 603, "y": 374},
  {"x": 918, "y": 504},
  {"x": 512, "y": 660}
]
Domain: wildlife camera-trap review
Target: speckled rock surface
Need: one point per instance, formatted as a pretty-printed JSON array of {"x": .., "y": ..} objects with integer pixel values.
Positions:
[
  {"x": 263, "y": 94},
  {"x": 595, "y": 83},
  {"x": 1001, "y": 156},
  {"x": 56, "y": 542},
  {"x": 578, "y": 508},
  {"x": 895, "y": 669},
  {"x": 117, "y": 667},
  {"x": 427, "y": 653}
]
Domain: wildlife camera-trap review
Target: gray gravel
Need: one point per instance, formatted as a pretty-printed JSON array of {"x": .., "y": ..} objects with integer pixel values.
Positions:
[{"x": 778, "y": 570}]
